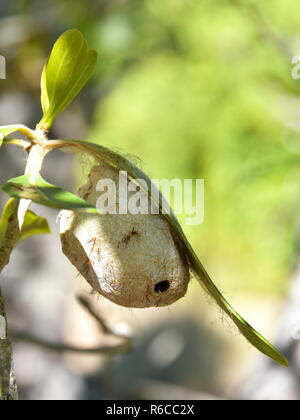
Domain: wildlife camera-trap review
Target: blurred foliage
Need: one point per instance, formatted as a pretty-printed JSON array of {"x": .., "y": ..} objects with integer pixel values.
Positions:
[{"x": 196, "y": 89}]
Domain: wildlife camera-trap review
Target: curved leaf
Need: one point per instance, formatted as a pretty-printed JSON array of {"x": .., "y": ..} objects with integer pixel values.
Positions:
[
  {"x": 121, "y": 163},
  {"x": 42, "y": 192},
  {"x": 9, "y": 208},
  {"x": 33, "y": 225},
  {"x": 68, "y": 69}
]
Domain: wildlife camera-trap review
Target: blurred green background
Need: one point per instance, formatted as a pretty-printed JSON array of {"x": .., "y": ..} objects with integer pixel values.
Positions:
[{"x": 195, "y": 89}]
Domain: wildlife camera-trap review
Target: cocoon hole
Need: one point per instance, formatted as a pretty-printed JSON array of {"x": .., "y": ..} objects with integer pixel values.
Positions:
[{"x": 130, "y": 259}]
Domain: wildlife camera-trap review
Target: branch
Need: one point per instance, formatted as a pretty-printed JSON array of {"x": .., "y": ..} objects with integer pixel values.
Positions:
[
  {"x": 65, "y": 348},
  {"x": 86, "y": 304}
]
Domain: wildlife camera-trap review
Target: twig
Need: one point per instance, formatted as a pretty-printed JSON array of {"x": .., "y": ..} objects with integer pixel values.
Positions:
[
  {"x": 25, "y": 144},
  {"x": 9, "y": 237},
  {"x": 86, "y": 304},
  {"x": 65, "y": 348}
]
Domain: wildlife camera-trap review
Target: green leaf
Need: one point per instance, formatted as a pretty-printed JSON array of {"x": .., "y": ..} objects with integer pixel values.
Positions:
[
  {"x": 9, "y": 209},
  {"x": 68, "y": 69},
  {"x": 33, "y": 225},
  {"x": 121, "y": 163},
  {"x": 42, "y": 192},
  {"x": 6, "y": 130},
  {"x": 256, "y": 339}
]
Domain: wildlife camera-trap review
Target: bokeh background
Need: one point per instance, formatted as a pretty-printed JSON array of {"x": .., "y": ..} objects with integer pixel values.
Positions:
[{"x": 195, "y": 89}]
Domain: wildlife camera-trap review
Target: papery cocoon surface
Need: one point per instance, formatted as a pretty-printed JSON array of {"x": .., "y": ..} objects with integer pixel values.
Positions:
[{"x": 130, "y": 259}]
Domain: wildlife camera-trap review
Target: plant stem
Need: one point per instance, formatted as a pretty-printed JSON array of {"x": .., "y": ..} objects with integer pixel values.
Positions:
[
  {"x": 10, "y": 237},
  {"x": 33, "y": 167},
  {"x": 8, "y": 387}
]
